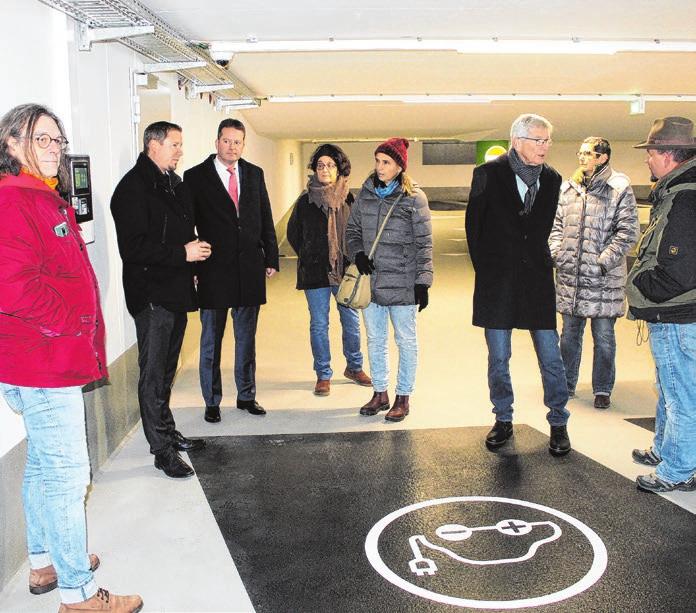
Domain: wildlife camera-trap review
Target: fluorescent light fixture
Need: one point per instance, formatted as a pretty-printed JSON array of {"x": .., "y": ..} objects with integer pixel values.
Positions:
[
  {"x": 482, "y": 98},
  {"x": 637, "y": 106},
  {"x": 406, "y": 98},
  {"x": 236, "y": 105},
  {"x": 482, "y": 45}
]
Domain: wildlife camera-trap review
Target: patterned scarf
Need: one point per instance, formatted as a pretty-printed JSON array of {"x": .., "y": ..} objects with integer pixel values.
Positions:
[
  {"x": 331, "y": 200},
  {"x": 529, "y": 175}
]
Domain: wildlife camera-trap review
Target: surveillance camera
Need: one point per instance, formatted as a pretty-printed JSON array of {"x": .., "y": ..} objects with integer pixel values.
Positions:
[{"x": 221, "y": 58}]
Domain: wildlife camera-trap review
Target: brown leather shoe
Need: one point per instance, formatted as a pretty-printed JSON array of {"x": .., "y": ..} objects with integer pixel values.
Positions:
[
  {"x": 399, "y": 409},
  {"x": 323, "y": 387},
  {"x": 359, "y": 376},
  {"x": 602, "y": 401},
  {"x": 105, "y": 601},
  {"x": 379, "y": 402},
  {"x": 42, "y": 580}
]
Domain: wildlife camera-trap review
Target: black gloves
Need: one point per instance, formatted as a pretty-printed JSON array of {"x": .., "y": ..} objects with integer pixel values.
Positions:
[
  {"x": 364, "y": 264},
  {"x": 421, "y": 293}
]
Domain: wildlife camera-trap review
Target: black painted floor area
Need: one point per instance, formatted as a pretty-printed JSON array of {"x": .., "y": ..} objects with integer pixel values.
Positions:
[
  {"x": 647, "y": 423},
  {"x": 295, "y": 512}
]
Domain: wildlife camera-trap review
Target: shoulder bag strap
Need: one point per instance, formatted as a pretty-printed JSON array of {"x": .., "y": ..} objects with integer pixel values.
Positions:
[{"x": 384, "y": 223}]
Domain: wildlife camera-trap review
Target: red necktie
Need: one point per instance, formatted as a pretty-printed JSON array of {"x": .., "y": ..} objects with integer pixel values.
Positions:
[{"x": 232, "y": 187}]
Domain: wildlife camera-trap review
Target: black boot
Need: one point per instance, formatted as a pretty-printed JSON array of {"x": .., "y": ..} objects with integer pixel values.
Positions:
[
  {"x": 559, "y": 443},
  {"x": 499, "y": 434}
]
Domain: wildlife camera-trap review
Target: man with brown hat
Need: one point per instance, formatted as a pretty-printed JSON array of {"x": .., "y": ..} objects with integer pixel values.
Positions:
[{"x": 661, "y": 290}]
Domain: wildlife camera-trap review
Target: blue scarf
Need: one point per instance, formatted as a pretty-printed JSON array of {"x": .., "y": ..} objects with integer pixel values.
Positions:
[{"x": 388, "y": 189}]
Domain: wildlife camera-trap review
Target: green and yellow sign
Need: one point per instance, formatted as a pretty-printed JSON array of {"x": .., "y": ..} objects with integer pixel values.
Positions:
[{"x": 487, "y": 150}]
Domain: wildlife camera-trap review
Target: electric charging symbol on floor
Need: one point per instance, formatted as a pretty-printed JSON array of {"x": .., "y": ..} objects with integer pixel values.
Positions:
[{"x": 423, "y": 566}]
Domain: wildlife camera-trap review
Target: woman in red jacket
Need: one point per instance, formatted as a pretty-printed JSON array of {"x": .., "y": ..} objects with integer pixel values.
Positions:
[{"x": 51, "y": 344}]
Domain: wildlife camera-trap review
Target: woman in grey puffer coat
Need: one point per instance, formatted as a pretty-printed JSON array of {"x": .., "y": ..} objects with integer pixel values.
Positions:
[
  {"x": 596, "y": 224},
  {"x": 401, "y": 270}
]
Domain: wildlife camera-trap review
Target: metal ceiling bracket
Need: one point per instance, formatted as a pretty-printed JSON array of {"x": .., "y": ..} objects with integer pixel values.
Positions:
[
  {"x": 173, "y": 66},
  {"x": 87, "y": 35},
  {"x": 193, "y": 89}
]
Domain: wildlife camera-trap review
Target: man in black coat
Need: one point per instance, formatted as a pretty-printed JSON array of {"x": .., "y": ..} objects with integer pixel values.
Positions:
[
  {"x": 233, "y": 214},
  {"x": 153, "y": 214},
  {"x": 509, "y": 217}
]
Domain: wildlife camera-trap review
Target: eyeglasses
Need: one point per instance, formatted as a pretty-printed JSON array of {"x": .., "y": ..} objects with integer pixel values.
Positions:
[
  {"x": 585, "y": 154},
  {"x": 539, "y": 142},
  {"x": 322, "y": 166},
  {"x": 44, "y": 141}
]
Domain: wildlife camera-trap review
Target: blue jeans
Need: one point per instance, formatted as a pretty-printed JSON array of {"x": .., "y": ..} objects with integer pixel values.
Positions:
[
  {"x": 244, "y": 322},
  {"x": 55, "y": 482},
  {"x": 674, "y": 351},
  {"x": 550, "y": 365},
  {"x": 319, "y": 301},
  {"x": 403, "y": 318},
  {"x": 604, "y": 355}
]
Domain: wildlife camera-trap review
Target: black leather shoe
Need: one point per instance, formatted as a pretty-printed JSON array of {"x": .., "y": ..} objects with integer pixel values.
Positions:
[
  {"x": 181, "y": 443},
  {"x": 173, "y": 466},
  {"x": 212, "y": 414},
  {"x": 252, "y": 406},
  {"x": 559, "y": 443},
  {"x": 499, "y": 434}
]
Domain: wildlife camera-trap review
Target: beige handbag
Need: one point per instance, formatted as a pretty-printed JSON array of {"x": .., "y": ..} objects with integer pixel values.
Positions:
[{"x": 354, "y": 290}]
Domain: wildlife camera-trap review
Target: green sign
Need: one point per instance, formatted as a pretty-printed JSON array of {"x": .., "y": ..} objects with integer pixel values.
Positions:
[{"x": 487, "y": 150}]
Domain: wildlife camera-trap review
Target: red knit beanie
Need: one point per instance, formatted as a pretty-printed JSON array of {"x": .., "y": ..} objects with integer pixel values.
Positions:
[{"x": 395, "y": 148}]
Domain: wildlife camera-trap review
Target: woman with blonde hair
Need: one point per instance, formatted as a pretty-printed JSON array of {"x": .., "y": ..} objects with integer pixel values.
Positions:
[{"x": 401, "y": 270}]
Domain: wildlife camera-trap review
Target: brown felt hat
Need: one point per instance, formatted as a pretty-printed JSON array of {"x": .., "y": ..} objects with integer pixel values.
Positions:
[{"x": 670, "y": 133}]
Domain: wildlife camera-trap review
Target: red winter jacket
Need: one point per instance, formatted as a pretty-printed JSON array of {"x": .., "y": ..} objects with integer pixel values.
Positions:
[{"x": 51, "y": 326}]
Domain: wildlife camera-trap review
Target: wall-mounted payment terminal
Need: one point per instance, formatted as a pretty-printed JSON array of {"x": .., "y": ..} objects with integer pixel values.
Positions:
[{"x": 80, "y": 194}]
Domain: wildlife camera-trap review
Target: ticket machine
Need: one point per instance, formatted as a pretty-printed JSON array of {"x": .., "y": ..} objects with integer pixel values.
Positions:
[{"x": 80, "y": 194}]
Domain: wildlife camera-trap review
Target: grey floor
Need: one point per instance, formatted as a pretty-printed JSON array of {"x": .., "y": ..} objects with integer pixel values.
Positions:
[{"x": 158, "y": 537}]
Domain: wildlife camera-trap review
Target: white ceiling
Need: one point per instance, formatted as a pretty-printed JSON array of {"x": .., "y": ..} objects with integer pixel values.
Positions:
[{"x": 447, "y": 72}]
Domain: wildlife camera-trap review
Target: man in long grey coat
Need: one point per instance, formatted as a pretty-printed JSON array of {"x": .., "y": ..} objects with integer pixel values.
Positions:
[{"x": 596, "y": 224}]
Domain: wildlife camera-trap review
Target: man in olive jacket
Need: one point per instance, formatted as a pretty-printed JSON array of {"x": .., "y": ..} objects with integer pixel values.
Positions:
[
  {"x": 661, "y": 291},
  {"x": 154, "y": 221},
  {"x": 508, "y": 220},
  {"x": 233, "y": 214}
]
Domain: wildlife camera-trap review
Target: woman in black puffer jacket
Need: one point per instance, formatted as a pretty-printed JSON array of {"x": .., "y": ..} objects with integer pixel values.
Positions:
[{"x": 316, "y": 232}]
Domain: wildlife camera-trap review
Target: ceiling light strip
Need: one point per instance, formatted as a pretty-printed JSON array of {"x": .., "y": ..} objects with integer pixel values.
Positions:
[
  {"x": 483, "y": 98},
  {"x": 473, "y": 46}
]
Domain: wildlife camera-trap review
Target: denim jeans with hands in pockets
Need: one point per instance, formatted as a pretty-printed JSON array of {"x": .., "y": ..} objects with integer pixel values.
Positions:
[
  {"x": 55, "y": 483},
  {"x": 604, "y": 352}
]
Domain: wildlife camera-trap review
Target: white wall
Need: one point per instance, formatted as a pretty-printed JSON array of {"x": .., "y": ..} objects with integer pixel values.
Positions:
[
  {"x": 91, "y": 92},
  {"x": 562, "y": 157}
]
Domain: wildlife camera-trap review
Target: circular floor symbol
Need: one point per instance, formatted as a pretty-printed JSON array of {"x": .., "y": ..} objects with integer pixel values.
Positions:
[{"x": 422, "y": 566}]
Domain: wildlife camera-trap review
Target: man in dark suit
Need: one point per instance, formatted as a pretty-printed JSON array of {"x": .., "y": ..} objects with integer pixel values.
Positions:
[
  {"x": 233, "y": 214},
  {"x": 153, "y": 214},
  {"x": 509, "y": 217}
]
